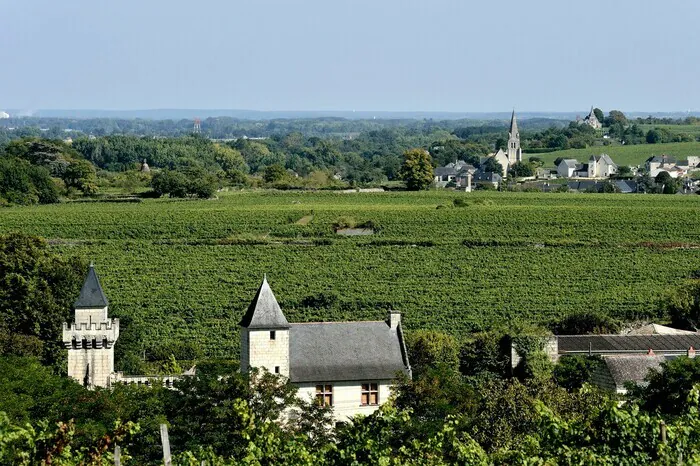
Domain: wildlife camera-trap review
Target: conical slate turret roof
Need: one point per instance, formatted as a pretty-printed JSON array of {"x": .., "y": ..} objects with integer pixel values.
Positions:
[
  {"x": 513, "y": 125},
  {"x": 91, "y": 295},
  {"x": 264, "y": 311}
]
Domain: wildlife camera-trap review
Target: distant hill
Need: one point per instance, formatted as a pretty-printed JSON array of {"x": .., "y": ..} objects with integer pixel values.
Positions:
[{"x": 177, "y": 114}]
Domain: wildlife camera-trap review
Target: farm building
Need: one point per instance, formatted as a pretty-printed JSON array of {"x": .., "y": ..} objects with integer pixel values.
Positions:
[{"x": 625, "y": 358}]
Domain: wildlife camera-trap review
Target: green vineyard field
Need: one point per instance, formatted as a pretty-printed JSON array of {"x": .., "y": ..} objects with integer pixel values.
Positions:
[
  {"x": 624, "y": 155},
  {"x": 184, "y": 271}
]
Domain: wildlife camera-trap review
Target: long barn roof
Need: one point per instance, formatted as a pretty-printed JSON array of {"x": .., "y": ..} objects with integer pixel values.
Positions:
[{"x": 627, "y": 343}]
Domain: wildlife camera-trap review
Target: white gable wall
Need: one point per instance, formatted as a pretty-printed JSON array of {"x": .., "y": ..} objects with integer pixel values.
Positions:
[{"x": 347, "y": 397}]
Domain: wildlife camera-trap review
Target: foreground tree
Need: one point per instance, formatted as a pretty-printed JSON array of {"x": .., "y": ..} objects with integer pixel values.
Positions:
[
  {"x": 37, "y": 291},
  {"x": 417, "y": 169}
]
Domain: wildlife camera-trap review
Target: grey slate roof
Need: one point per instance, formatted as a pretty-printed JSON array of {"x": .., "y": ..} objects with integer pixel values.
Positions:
[
  {"x": 661, "y": 159},
  {"x": 487, "y": 176},
  {"x": 631, "y": 368},
  {"x": 345, "y": 351},
  {"x": 571, "y": 163},
  {"x": 626, "y": 186},
  {"x": 264, "y": 311},
  {"x": 444, "y": 171},
  {"x": 640, "y": 343},
  {"x": 91, "y": 294}
]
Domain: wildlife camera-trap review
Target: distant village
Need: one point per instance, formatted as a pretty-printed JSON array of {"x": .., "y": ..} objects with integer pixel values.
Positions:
[{"x": 599, "y": 173}]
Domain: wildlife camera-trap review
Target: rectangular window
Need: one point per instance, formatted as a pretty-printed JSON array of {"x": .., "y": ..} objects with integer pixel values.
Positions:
[
  {"x": 324, "y": 395},
  {"x": 273, "y": 335},
  {"x": 277, "y": 369},
  {"x": 370, "y": 394}
]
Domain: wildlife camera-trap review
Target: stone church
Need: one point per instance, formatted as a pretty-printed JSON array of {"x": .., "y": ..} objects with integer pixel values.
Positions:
[{"x": 347, "y": 365}]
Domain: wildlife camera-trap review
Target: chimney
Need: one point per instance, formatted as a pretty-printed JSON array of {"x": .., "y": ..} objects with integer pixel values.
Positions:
[
  {"x": 394, "y": 319},
  {"x": 691, "y": 352}
]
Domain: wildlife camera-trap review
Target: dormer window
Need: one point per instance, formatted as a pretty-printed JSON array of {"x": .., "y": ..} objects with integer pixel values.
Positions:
[{"x": 273, "y": 335}]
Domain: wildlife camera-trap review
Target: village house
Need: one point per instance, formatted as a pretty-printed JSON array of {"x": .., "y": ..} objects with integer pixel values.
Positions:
[
  {"x": 676, "y": 169},
  {"x": 458, "y": 173},
  {"x": 598, "y": 166},
  {"x": 349, "y": 366},
  {"x": 601, "y": 166}
]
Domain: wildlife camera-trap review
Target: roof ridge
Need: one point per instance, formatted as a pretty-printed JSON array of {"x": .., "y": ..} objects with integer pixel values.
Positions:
[{"x": 340, "y": 322}]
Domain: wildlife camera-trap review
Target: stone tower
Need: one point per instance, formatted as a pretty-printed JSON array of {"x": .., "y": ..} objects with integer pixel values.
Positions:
[
  {"x": 265, "y": 334},
  {"x": 90, "y": 339},
  {"x": 514, "y": 152},
  {"x": 144, "y": 167}
]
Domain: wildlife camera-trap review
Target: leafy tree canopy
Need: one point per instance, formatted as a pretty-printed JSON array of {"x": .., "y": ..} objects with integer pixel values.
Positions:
[{"x": 417, "y": 169}]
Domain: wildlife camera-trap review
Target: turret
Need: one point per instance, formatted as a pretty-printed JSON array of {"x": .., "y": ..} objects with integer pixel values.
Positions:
[
  {"x": 90, "y": 339},
  {"x": 265, "y": 334}
]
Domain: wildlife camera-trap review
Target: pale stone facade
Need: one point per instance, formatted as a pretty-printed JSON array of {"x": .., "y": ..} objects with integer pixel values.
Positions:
[
  {"x": 347, "y": 397},
  {"x": 259, "y": 349}
]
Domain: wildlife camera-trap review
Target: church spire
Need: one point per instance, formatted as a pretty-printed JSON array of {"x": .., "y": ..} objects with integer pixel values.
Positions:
[
  {"x": 514, "y": 152},
  {"x": 513, "y": 126}
]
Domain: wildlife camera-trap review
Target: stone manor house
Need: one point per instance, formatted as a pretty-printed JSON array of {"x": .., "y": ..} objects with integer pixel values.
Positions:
[{"x": 347, "y": 365}]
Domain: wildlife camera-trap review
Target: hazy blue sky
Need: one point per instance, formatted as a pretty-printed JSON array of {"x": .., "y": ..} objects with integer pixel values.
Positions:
[{"x": 440, "y": 55}]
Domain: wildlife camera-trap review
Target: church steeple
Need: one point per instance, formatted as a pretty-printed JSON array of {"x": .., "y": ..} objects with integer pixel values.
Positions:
[
  {"x": 514, "y": 152},
  {"x": 513, "y": 131}
]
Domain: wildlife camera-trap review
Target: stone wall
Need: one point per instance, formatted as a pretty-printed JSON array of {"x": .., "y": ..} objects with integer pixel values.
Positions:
[
  {"x": 96, "y": 363},
  {"x": 90, "y": 344},
  {"x": 259, "y": 350}
]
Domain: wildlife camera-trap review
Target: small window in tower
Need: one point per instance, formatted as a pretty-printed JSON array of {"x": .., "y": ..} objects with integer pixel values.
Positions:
[
  {"x": 75, "y": 344},
  {"x": 277, "y": 369},
  {"x": 104, "y": 343},
  {"x": 94, "y": 343},
  {"x": 273, "y": 335},
  {"x": 84, "y": 343}
]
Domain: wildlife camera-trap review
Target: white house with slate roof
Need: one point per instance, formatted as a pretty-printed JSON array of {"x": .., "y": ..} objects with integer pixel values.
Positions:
[{"x": 347, "y": 365}]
